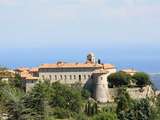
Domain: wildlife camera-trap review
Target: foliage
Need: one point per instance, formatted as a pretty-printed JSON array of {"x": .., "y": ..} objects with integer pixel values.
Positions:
[
  {"x": 17, "y": 82},
  {"x": 119, "y": 79},
  {"x": 66, "y": 97},
  {"x": 48, "y": 101},
  {"x": 105, "y": 116},
  {"x": 156, "y": 109},
  {"x": 142, "y": 79},
  {"x": 85, "y": 94},
  {"x": 128, "y": 109},
  {"x": 91, "y": 108},
  {"x": 62, "y": 113},
  {"x": 34, "y": 102},
  {"x": 13, "y": 104}
]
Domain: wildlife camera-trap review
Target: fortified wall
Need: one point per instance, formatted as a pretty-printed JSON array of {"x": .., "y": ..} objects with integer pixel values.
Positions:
[{"x": 135, "y": 93}]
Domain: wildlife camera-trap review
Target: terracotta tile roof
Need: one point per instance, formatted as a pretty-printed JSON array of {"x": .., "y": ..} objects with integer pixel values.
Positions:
[
  {"x": 108, "y": 66},
  {"x": 69, "y": 65},
  {"x": 26, "y": 75},
  {"x": 77, "y": 65},
  {"x": 7, "y": 74},
  {"x": 22, "y": 69},
  {"x": 35, "y": 69}
]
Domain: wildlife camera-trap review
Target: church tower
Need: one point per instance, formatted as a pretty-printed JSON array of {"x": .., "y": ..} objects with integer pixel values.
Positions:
[{"x": 91, "y": 58}]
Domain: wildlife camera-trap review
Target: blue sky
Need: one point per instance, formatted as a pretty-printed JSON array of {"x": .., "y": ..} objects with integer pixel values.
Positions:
[{"x": 123, "y": 32}]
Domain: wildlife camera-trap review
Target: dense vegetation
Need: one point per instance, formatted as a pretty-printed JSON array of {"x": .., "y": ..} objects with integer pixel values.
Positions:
[
  {"x": 120, "y": 78},
  {"x": 48, "y": 101}
]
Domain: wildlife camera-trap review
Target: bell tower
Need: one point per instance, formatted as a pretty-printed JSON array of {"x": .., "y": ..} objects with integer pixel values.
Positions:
[{"x": 91, "y": 58}]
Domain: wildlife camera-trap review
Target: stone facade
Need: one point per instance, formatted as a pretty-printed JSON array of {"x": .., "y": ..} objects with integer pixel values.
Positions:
[
  {"x": 135, "y": 93},
  {"x": 90, "y": 74}
]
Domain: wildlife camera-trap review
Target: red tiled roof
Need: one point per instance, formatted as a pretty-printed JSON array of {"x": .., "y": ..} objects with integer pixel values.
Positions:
[{"x": 77, "y": 65}]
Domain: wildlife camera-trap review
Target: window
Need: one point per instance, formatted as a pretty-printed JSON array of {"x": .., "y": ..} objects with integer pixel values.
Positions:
[
  {"x": 74, "y": 76},
  {"x": 84, "y": 76},
  {"x": 61, "y": 77},
  {"x": 55, "y": 77},
  {"x": 50, "y": 77},
  {"x": 70, "y": 77},
  {"x": 101, "y": 78},
  {"x": 65, "y": 77},
  {"x": 79, "y": 78}
]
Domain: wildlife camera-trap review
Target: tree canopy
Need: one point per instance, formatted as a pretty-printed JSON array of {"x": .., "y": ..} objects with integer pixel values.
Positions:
[
  {"x": 142, "y": 79},
  {"x": 119, "y": 79}
]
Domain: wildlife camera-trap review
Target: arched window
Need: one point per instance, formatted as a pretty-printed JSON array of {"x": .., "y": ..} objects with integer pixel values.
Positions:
[
  {"x": 65, "y": 77},
  {"x": 70, "y": 77},
  {"x": 55, "y": 77},
  {"x": 80, "y": 78},
  {"x": 61, "y": 77},
  {"x": 50, "y": 77},
  {"x": 74, "y": 76},
  {"x": 84, "y": 76}
]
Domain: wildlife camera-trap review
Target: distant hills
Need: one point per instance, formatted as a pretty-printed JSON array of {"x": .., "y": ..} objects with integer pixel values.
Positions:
[{"x": 155, "y": 77}]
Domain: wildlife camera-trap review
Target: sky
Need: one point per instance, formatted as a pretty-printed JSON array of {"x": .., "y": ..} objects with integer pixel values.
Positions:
[{"x": 122, "y": 32}]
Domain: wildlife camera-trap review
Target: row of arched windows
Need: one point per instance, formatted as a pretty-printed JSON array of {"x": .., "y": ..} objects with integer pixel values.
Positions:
[{"x": 67, "y": 77}]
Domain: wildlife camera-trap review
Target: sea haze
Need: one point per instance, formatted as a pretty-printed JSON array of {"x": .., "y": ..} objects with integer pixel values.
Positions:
[{"x": 156, "y": 79}]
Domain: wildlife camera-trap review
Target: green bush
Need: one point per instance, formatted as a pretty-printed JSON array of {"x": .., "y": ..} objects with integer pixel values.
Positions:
[
  {"x": 119, "y": 79},
  {"x": 142, "y": 79}
]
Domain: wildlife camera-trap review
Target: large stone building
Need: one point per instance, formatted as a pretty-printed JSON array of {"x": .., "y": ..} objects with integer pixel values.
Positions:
[
  {"x": 70, "y": 73},
  {"x": 90, "y": 74}
]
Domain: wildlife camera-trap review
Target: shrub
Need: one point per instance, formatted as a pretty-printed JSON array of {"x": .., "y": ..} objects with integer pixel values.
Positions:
[{"x": 142, "y": 79}]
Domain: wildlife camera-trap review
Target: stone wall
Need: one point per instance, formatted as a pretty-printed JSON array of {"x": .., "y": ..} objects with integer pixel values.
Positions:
[
  {"x": 135, "y": 93},
  {"x": 67, "y": 76}
]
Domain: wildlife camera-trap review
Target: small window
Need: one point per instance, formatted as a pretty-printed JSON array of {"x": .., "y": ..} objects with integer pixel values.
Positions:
[
  {"x": 61, "y": 77},
  {"x": 101, "y": 78},
  {"x": 84, "y": 76},
  {"x": 80, "y": 78},
  {"x": 65, "y": 77},
  {"x": 74, "y": 76},
  {"x": 55, "y": 77},
  {"x": 70, "y": 77},
  {"x": 50, "y": 77}
]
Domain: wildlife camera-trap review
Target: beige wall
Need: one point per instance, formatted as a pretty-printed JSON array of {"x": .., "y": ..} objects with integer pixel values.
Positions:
[{"x": 135, "y": 93}]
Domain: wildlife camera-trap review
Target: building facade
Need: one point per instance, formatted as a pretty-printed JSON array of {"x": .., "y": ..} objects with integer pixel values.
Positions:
[
  {"x": 71, "y": 73},
  {"x": 90, "y": 74}
]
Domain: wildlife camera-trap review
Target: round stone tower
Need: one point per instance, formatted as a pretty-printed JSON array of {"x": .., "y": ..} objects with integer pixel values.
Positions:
[
  {"x": 101, "y": 92},
  {"x": 91, "y": 58}
]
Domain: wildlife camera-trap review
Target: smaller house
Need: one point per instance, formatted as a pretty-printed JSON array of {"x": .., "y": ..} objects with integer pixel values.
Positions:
[
  {"x": 29, "y": 77},
  {"x": 129, "y": 71}
]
